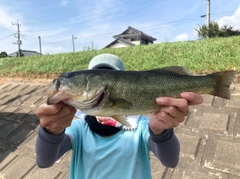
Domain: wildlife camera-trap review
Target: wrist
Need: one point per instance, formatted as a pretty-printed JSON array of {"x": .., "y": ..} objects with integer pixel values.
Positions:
[
  {"x": 162, "y": 137},
  {"x": 54, "y": 132},
  {"x": 157, "y": 131}
]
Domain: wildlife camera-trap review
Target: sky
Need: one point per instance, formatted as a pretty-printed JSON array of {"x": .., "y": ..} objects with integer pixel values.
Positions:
[{"x": 57, "y": 24}]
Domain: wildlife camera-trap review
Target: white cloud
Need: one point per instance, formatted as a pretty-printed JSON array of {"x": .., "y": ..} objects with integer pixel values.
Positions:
[
  {"x": 53, "y": 49},
  {"x": 64, "y": 2},
  {"x": 182, "y": 37},
  {"x": 232, "y": 20},
  {"x": 7, "y": 18}
]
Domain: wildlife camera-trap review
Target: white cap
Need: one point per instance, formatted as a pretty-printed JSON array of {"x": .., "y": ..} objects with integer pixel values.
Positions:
[{"x": 106, "y": 60}]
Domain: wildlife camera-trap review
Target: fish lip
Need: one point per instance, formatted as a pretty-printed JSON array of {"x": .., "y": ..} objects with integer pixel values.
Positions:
[{"x": 57, "y": 95}]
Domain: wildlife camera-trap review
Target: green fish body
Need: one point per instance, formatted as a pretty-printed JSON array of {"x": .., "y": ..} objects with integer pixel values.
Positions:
[{"x": 117, "y": 93}]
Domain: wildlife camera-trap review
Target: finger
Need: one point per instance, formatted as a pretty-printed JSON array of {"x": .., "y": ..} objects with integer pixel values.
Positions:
[
  {"x": 179, "y": 103},
  {"x": 164, "y": 121},
  {"x": 57, "y": 127},
  {"x": 45, "y": 109},
  {"x": 65, "y": 113},
  {"x": 66, "y": 117},
  {"x": 192, "y": 98},
  {"x": 172, "y": 111}
]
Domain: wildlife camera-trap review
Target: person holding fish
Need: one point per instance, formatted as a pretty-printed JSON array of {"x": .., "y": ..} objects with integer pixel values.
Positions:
[{"x": 113, "y": 146}]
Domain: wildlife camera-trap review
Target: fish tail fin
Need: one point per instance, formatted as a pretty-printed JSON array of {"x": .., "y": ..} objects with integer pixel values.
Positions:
[{"x": 225, "y": 79}]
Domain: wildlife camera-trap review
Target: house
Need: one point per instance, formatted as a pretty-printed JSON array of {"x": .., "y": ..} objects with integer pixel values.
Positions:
[
  {"x": 25, "y": 53},
  {"x": 131, "y": 37}
]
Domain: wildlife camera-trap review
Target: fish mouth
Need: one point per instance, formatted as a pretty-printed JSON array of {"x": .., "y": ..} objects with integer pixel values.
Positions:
[
  {"x": 72, "y": 100},
  {"x": 82, "y": 99}
]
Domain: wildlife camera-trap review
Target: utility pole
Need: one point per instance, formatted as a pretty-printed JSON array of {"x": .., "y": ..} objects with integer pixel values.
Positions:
[
  {"x": 73, "y": 42},
  {"x": 17, "y": 35},
  {"x": 40, "y": 46},
  {"x": 208, "y": 15}
]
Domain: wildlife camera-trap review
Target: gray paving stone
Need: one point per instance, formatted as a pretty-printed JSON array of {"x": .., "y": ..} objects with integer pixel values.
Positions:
[
  {"x": 194, "y": 150},
  {"x": 2, "y": 107},
  {"x": 9, "y": 87},
  {"x": 191, "y": 174},
  {"x": 4, "y": 85},
  {"x": 32, "y": 101},
  {"x": 7, "y": 129},
  {"x": 215, "y": 122},
  {"x": 209, "y": 137},
  {"x": 157, "y": 168},
  {"x": 19, "y": 168},
  {"x": 20, "y": 115},
  {"x": 234, "y": 102},
  {"x": 19, "y": 101},
  {"x": 224, "y": 157},
  {"x": 10, "y": 110},
  {"x": 48, "y": 173},
  {"x": 20, "y": 135},
  {"x": 207, "y": 100},
  {"x": 7, "y": 161},
  {"x": 219, "y": 102}
]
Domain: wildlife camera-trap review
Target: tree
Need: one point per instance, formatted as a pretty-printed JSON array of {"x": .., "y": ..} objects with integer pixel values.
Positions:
[
  {"x": 215, "y": 31},
  {"x": 228, "y": 31},
  {"x": 3, "y": 55}
]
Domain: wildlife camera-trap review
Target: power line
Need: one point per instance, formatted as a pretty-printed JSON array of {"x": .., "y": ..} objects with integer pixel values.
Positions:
[
  {"x": 7, "y": 36},
  {"x": 89, "y": 22}
]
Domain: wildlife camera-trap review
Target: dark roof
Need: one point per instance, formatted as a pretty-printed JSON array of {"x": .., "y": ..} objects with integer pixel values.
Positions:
[
  {"x": 135, "y": 32},
  {"x": 25, "y": 53}
]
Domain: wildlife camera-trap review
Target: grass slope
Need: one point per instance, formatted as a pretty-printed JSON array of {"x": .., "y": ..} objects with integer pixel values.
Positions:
[{"x": 201, "y": 56}]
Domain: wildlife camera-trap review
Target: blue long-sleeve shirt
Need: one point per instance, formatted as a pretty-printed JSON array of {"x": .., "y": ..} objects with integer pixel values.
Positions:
[{"x": 123, "y": 155}]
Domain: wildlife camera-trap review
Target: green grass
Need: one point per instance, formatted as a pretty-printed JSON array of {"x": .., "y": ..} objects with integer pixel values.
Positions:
[{"x": 201, "y": 56}]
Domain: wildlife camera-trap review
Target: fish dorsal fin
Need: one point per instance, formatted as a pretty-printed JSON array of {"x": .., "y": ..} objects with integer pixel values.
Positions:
[{"x": 176, "y": 69}]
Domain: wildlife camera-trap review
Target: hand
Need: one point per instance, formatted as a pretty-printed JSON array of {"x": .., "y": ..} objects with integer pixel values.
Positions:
[
  {"x": 55, "y": 118},
  {"x": 173, "y": 111}
]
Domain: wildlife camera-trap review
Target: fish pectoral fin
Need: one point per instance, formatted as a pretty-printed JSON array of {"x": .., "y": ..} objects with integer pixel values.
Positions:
[
  {"x": 122, "y": 120},
  {"x": 120, "y": 103},
  {"x": 176, "y": 69}
]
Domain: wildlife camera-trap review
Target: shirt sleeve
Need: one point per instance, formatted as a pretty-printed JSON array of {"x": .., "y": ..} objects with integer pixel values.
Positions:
[
  {"x": 165, "y": 146},
  {"x": 50, "y": 148}
]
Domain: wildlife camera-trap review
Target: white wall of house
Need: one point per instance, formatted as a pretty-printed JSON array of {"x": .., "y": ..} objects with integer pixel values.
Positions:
[
  {"x": 119, "y": 45},
  {"x": 136, "y": 42}
]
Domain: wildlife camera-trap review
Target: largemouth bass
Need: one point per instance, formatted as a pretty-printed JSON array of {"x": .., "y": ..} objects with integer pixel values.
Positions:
[{"x": 114, "y": 94}]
